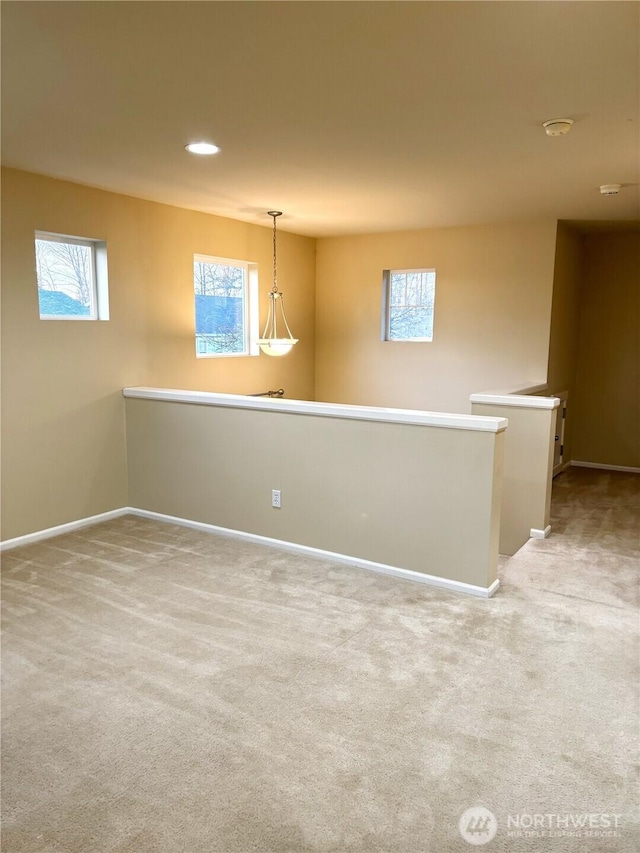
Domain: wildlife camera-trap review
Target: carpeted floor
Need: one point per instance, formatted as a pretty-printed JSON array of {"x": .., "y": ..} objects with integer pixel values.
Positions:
[{"x": 168, "y": 690}]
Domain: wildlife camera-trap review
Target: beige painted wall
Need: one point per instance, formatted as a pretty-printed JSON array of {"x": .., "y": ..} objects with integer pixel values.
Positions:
[
  {"x": 63, "y": 432},
  {"x": 527, "y": 471},
  {"x": 420, "y": 498},
  {"x": 607, "y": 400},
  {"x": 173, "y": 237},
  {"x": 565, "y": 324},
  {"x": 492, "y": 315}
]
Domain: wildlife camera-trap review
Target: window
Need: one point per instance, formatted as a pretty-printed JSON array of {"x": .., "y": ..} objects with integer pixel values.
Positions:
[
  {"x": 72, "y": 277},
  {"x": 226, "y": 304},
  {"x": 408, "y": 301}
]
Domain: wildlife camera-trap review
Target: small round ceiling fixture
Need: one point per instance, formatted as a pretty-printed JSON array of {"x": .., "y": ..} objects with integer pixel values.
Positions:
[
  {"x": 610, "y": 189},
  {"x": 202, "y": 148},
  {"x": 557, "y": 126}
]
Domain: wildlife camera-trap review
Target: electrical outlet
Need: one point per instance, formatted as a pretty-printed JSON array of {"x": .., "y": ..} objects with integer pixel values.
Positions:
[{"x": 276, "y": 499}]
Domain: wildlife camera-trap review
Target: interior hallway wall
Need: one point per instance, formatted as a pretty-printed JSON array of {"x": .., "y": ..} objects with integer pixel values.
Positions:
[
  {"x": 492, "y": 315},
  {"x": 565, "y": 324},
  {"x": 607, "y": 401},
  {"x": 63, "y": 430}
]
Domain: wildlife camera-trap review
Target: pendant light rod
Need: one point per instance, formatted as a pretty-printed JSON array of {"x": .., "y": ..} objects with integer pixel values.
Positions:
[
  {"x": 270, "y": 343},
  {"x": 275, "y": 214}
]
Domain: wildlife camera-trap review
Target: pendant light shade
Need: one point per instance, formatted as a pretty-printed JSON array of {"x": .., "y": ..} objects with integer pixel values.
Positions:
[{"x": 274, "y": 341}]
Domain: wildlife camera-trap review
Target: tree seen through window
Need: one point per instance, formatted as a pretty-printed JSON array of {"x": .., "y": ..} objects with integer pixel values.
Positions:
[{"x": 410, "y": 304}]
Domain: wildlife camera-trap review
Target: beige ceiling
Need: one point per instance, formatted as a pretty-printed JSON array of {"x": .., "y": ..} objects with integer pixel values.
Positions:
[{"x": 351, "y": 117}]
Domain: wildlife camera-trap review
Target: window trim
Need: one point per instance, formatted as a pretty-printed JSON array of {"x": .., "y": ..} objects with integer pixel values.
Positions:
[
  {"x": 251, "y": 306},
  {"x": 99, "y": 296},
  {"x": 386, "y": 307}
]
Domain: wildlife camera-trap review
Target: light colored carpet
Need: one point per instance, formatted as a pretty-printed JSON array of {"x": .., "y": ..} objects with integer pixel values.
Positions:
[{"x": 168, "y": 690}]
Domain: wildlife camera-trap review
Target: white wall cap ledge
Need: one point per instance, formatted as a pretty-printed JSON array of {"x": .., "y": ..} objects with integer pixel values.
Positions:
[
  {"x": 446, "y": 420},
  {"x": 531, "y": 389},
  {"x": 520, "y": 401},
  {"x": 534, "y": 388}
]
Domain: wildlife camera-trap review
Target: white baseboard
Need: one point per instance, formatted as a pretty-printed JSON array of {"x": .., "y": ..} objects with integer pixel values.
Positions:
[
  {"x": 381, "y": 568},
  {"x": 602, "y": 467},
  {"x": 560, "y": 468},
  {"x": 540, "y": 534},
  {"x": 50, "y": 532}
]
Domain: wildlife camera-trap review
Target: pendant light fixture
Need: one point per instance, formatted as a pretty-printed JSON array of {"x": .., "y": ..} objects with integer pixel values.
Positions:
[{"x": 273, "y": 342}]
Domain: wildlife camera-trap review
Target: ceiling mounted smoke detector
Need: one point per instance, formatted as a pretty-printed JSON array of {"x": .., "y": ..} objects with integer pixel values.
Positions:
[
  {"x": 610, "y": 189},
  {"x": 557, "y": 126}
]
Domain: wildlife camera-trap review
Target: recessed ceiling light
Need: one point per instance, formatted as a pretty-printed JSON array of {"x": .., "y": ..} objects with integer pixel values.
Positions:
[{"x": 202, "y": 148}]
